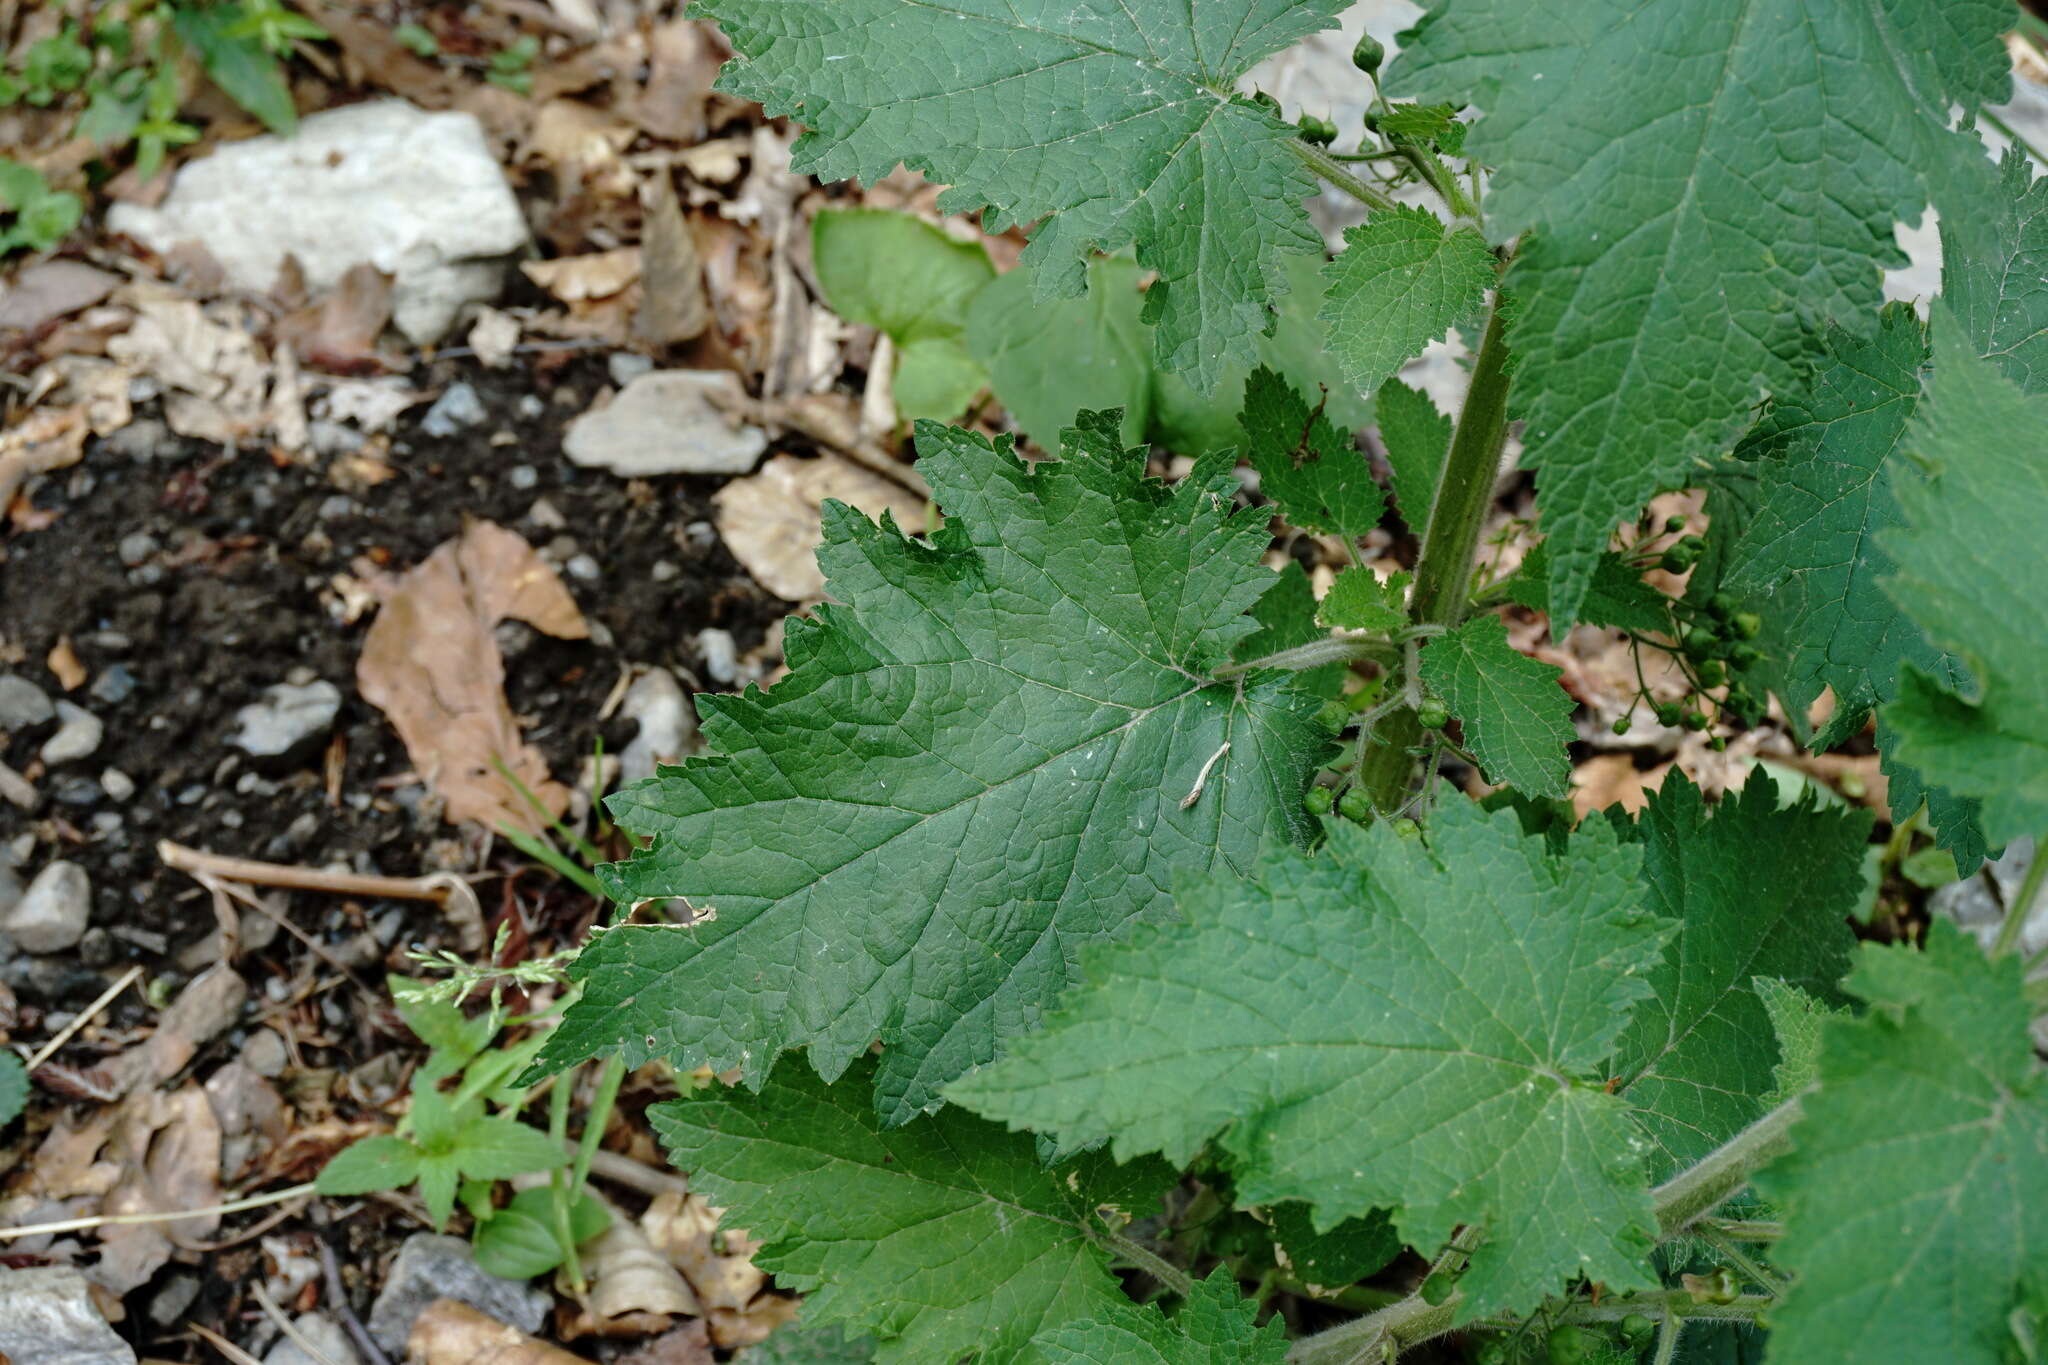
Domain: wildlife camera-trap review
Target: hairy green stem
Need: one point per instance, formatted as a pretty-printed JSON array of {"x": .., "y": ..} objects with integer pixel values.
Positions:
[
  {"x": 1668, "y": 1332},
  {"x": 1700, "y": 1189},
  {"x": 1450, "y": 546},
  {"x": 1144, "y": 1258},
  {"x": 1332, "y": 170},
  {"x": 1315, "y": 654},
  {"x": 2022, "y": 906}
]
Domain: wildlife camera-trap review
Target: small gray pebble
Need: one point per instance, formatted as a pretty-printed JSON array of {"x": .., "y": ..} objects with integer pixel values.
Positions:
[
  {"x": 456, "y": 410},
  {"x": 77, "y": 791},
  {"x": 583, "y": 567},
  {"x": 117, "y": 784},
  {"x": 663, "y": 571},
  {"x": 52, "y": 913},
  {"x": 22, "y": 703},
  {"x": 522, "y": 477},
  {"x": 136, "y": 546},
  {"x": 530, "y": 405},
  {"x": 626, "y": 367},
  {"x": 114, "y": 685}
]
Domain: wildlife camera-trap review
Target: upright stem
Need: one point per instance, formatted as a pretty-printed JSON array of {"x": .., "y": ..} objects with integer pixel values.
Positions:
[
  {"x": 1443, "y": 574},
  {"x": 2022, "y": 907}
]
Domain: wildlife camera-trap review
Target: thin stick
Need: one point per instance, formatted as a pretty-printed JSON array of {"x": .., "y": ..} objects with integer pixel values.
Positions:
[
  {"x": 109, "y": 1220},
  {"x": 85, "y": 1016},
  {"x": 446, "y": 889},
  {"x": 338, "y": 1293},
  {"x": 223, "y": 1345},
  {"x": 2021, "y": 910},
  {"x": 285, "y": 1325}
]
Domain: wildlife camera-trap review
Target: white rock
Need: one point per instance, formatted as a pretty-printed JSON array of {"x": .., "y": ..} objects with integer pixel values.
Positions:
[
  {"x": 667, "y": 423},
  {"x": 47, "y": 1317},
  {"x": 51, "y": 915},
  {"x": 721, "y": 655},
  {"x": 668, "y": 731},
  {"x": 288, "y": 716},
  {"x": 416, "y": 194},
  {"x": 79, "y": 733}
]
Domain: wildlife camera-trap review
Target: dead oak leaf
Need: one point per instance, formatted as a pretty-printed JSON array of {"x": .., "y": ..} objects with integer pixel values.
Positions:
[{"x": 431, "y": 664}]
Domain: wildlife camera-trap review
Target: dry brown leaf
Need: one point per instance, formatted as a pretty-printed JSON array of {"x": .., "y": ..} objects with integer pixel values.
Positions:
[
  {"x": 101, "y": 387},
  {"x": 736, "y": 1327},
  {"x": 684, "y": 59},
  {"x": 574, "y": 279},
  {"x": 689, "y": 1344},
  {"x": 673, "y": 305},
  {"x": 718, "y": 1265},
  {"x": 377, "y": 60},
  {"x": 584, "y": 146},
  {"x": 168, "y": 1144},
  {"x": 451, "y": 1333},
  {"x": 338, "y": 332},
  {"x": 772, "y": 523},
  {"x": 202, "y": 1011},
  {"x": 217, "y": 378},
  {"x": 627, "y": 1275},
  {"x": 1609, "y": 779},
  {"x": 717, "y": 162},
  {"x": 431, "y": 663},
  {"x": 64, "y": 665},
  {"x": 49, "y": 290},
  {"x": 47, "y": 440}
]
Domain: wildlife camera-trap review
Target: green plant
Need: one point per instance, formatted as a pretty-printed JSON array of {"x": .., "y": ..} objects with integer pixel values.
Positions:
[
  {"x": 33, "y": 217},
  {"x": 13, "y": 1088},
  {"x": 124, "y": 64},
  {"x": 1143, "y": 966}
]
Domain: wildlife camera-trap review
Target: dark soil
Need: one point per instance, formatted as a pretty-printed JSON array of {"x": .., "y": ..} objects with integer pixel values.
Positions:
[{"x": 232, "y": 602}]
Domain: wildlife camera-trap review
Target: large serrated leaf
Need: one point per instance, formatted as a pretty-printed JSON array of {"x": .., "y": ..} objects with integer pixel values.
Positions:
[
  {"x": 1115, "y": 119},
  {"x": 1916, "y": 1195},
  {"x": 939, "y": 1239},
  {"x": 977, "y": 764},
  {"x": 1216, "y": 1326},
  {"x": 1382, "y": 1025},
  {"x": 1516, "y": 718},
  {"x": 1693, "y": 182},
  {"x": 1757, "y": 892},
  {"x": 1810, "y": 554},
  {"x": 1971, "y": 562}
]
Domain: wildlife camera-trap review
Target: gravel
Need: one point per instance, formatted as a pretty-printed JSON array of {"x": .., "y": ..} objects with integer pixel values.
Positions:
[{"x": 51, "y": 915}]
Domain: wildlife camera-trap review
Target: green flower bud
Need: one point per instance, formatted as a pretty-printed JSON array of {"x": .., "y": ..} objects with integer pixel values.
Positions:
[
  {"x": 1318, "y": 801},
  {"x": 1713, "y": 672},
  {"x": 1745, "y": 657},
  {"x": 1637, "y": 1328},
  {"x": 1695, "y": 720},
  {"x": 1368, "y": 55},
  {"x": 1721, "y": 606},
  {"x": 1407, "y": 828},
  {"x": 1667, "y": 713},
  {"x": 1333, "y": 715},
  {"x": 1569, "y": 1345},
  {"x": 1621, "y": 727},
  {"x": 1432, "y": 715},
  {"x": 1355, "y": 805},
  {"x": 1266, "y": 102},
  {"x": 1674, "y": 524},
  {"x": 1748, "y": 625}
]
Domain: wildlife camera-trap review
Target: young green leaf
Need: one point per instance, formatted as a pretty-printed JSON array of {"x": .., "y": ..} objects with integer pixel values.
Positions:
[
  {"x": 1360, "y": 599},
  {"x": 1401, "y": 282},
  {"x": 1517, "y": 719},
  {"x": 1617, "y": 596},
  {"x": 368, "y": 1165},
  {"x": 440, "y": 1179},
  {"x": 1915, "y": 1198},
  {"x": 1811, "y": 553},
  {"x": 1692, "y": 182},
  {"x": 1416, "y": 436},
  {"x": 899, "y": 274},
  {"x": 13, "y": 1088},
  {"x": 453, "y": 1036},
  {"x": 1757, "y": 892},
  {"x": 496, "y": 1148},
  {"x": 1051, "y": 360},
  {"x": 939, "y": 1238},
  {"x": 518, "y": 1241},
  {"x": 1004, "y": 745},
  {"x": 1116, "y": 120},
  {"x": 1797, "y": 1020},
  {"x": 1216, "y": 1326},
  {"x": 1971, "y": 561},
  {"x": 250, "y": 76},
  {"x": 1313, "y": 470},
  {"x": 1384, "y": 1025}
]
